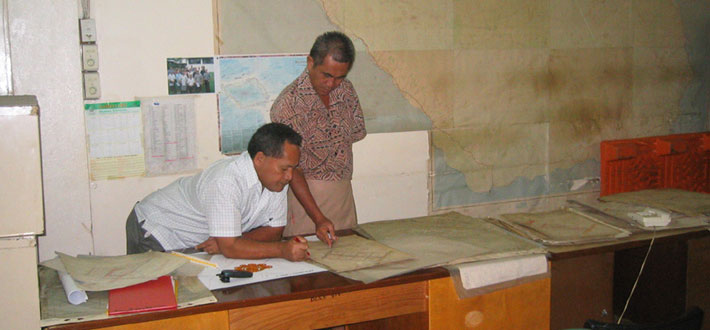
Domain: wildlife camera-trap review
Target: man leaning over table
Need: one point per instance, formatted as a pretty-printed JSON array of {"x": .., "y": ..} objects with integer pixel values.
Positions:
[{"x": 236, "y": 206}]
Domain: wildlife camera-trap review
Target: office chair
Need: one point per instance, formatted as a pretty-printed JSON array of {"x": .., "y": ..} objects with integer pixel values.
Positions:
[{"x": 691, "y": 320}]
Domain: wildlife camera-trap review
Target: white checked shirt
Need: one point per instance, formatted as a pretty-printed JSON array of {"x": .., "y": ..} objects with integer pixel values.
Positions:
[{"x": 224, "y": 200}]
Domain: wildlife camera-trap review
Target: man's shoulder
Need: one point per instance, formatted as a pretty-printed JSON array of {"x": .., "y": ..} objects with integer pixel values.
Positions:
[
  {"x": 288, "y": 92},
  {"x": 222, "y": 168},
  {"x": 348, "y": 86},
  {"x": 284, "y": 102}
]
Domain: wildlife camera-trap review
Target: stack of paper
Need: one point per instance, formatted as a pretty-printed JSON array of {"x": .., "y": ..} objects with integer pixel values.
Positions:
[{"x": 651, "y": 217}]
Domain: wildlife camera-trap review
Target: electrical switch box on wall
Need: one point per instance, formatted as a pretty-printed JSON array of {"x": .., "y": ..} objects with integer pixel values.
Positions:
[
  {"x": 92, "y": 86},
  {"x": 87, "y": 28},
  {"x": 90, "y": 57}
]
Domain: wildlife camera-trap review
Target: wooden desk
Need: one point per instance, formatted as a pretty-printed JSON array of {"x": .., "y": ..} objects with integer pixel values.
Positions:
[
  {"x": 424, "y": 299},
  {"x": 593, "y": 281}
]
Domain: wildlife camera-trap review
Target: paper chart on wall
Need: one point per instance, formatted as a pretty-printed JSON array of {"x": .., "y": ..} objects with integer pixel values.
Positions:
[
  {"x": 169, "y": 134},
  {"x": 115, "y": 144}
]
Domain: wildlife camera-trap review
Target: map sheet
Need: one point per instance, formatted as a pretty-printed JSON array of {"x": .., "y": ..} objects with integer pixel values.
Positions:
[
  {"x": 98, "y": 273},
  {"x": 620, "y": 212},
  {"x": 436, "y": 240},
  {"x": 676, "y": 200},
  {"x": 560, "y": 227},
  {"x": 55, "y": 309},
  {"x": 354, "y": 252},
  {"x": 247, "y": 87}
]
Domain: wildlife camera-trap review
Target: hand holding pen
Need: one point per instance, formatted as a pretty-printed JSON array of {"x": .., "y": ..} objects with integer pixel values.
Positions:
[
  {"x": 326, "y": 232},
  {"x": 295, "y": 249}
]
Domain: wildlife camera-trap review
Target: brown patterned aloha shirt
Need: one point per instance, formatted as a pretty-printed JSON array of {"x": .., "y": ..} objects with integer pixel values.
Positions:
[{"x": 328, "y": 134}]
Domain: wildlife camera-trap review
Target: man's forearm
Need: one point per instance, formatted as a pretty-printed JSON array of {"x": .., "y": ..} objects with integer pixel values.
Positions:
[
  {"x": 245, "y": 248},
  {"x": 265, "y": 234}
]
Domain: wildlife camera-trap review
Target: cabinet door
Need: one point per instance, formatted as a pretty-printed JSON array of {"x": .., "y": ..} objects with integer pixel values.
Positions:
[
  {"x": 582, "y": 289},
  {"x": 525, "y": 306},
  {"x": 204, "y": 321},
  {"x": 19, "y": 284}
]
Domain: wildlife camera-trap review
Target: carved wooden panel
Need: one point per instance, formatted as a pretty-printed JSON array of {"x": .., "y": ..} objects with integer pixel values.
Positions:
[{"x": 672, "y": 161}]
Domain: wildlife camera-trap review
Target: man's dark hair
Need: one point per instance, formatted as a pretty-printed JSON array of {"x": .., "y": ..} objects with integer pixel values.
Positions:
[
  {"x": 270, "y": 139},
  {"x": 335, "y": 44}
]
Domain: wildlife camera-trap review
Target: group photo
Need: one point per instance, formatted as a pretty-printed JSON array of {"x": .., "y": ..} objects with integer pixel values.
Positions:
[{"x": 190, "y": 75}]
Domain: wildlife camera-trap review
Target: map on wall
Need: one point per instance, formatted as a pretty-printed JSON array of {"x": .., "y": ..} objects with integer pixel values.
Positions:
[
  {"x": 516, "y": 97},
  {"x": 247, "y": 86}
]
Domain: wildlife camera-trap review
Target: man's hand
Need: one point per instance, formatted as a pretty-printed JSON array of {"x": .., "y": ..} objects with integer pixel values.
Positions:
[
  {"x": 295, "y": 249},
  {"x": 210, "y": 246},
  {"x": 326, "y": 231}
]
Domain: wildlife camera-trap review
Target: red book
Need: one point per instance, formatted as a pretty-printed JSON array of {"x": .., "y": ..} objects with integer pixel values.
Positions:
[{"x": 155, "y": 295}]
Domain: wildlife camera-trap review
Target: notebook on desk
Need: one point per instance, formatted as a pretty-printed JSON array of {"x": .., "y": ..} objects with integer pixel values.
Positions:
[{"x": 155, "y": 295}]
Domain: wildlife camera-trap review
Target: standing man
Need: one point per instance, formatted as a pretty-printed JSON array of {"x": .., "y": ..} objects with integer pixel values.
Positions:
[
  {"x": 236, "y": 206},
  {"x": 322, "y": 106}
]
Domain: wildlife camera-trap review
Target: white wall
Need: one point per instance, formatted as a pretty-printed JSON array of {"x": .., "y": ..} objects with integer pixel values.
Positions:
[
  {"x": 391, "y": 175},
  {"x": 45, "y": 62},
  {"x": 134, "y": 39}
]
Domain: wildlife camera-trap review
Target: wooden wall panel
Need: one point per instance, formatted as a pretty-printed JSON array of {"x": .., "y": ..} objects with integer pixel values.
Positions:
[{"x": 679, "y": 161}]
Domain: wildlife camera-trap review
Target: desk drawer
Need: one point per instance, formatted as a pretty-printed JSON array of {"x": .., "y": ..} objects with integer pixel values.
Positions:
[{"x": 332, "y": 310}]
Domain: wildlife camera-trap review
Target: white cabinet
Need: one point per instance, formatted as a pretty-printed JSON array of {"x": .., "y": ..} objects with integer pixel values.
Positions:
[{"x": 21, "y": 211}]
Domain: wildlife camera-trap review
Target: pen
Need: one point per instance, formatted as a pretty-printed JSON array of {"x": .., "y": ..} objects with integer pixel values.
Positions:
[
  {"x": 195, "y": 260},
  {"x": 302, "y": 240}
]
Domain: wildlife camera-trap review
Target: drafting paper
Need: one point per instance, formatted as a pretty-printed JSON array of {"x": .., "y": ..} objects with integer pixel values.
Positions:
[{"x": 280, "y": 268}]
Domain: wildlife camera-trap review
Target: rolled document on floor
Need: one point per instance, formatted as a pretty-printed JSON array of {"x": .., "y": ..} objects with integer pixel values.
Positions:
[{"x": 75, "y": 295}]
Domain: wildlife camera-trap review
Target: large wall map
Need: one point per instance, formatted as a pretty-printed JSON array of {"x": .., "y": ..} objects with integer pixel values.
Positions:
[
  {"x": 248, "y": 85},
  {"x": 517, "y": 94}
]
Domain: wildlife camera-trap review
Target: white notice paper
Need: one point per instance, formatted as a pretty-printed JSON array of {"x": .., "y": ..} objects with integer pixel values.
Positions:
[
  {"x": 115, "y": 146},
  {"x": 169, "y": 134}
]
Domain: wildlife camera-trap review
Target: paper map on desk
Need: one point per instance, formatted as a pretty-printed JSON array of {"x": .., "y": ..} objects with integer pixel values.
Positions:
[
  {"x": 564, "y": 226},
  {"x": 354, "y": 252},
  {"x": 686, "y": 202},
  {"x": 98, "y": 273},
  {"x": 55, "y": 309},
  {"x": 280, "y": 268},
  {"x": 435, "y": 240},
  {"x": 620, "y": 212}
]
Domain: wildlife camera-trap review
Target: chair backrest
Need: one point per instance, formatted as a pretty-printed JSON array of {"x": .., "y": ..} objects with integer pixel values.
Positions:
[{"x": 691, "y": 320}]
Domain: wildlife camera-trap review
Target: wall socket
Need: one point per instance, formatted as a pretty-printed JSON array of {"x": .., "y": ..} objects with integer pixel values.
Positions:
[
  {"x": 87, "y": 28},
  {"x": 90, "y": 57},
  {"x": 92, "y": 86}
]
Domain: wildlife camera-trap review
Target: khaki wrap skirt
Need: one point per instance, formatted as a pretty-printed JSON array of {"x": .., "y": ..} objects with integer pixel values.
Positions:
[{"x": 335, "y": 200}]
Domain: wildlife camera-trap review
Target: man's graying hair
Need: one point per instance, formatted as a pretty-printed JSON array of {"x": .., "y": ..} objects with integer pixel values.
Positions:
[
  {"x": 335, "y": 44},
  {"x": 270, "y": 139}
]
